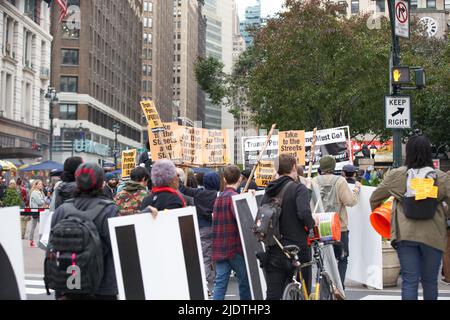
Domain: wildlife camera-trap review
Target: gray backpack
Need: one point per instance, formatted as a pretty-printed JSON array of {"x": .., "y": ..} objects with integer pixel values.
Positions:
[{"x": 328, "y": 194}]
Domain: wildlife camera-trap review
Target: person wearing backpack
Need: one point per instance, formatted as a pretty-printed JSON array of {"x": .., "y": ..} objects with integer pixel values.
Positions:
[
  {"x": 66, "y": 189},
  {"x": 336, "y": 195},
  {"x": 80, "y": 236},
  {"x": 130, "y": 198},
  {"x": 295, "y": 221},
  {"x": 204, "y": 203},
  {"x": 227, "y": 250},
  {"x": 418, "y": 226}
]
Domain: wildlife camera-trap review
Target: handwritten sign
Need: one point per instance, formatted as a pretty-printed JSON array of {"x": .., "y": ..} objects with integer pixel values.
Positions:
[
  {"x": 215, "y": 147},
  {"x": 128, "y": 162},
  {"x": 170, "y": 138},
  {"x": 150, "y": 112},
  {"x": 293, "y": 143},
  {"x": 264, "y": 173},
  {"x": 424, "y": 188}
]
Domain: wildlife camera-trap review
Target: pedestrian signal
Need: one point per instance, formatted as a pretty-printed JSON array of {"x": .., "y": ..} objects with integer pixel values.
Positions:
[{"x": 400, "y": 75}]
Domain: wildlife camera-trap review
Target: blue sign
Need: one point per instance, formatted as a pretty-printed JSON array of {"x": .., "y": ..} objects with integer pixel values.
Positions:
[{"x": 92, "y": 147}]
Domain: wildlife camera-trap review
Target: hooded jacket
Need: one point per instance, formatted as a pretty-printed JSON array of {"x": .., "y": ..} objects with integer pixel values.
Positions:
[
  {"x": 108, "y": 285},
  {"x": 295, "y": 211},
  {"x": 64, "y": 192},
  {"x": 130, "y": 198},
  {"x": 204, "y": 203}
]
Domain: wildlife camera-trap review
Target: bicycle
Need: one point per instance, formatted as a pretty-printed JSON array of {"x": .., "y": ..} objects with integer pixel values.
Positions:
[{"x": 324, "y": 287}]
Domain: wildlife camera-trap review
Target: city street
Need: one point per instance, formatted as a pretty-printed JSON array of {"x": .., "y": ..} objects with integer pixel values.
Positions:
[{"x": 34, "y": 258}]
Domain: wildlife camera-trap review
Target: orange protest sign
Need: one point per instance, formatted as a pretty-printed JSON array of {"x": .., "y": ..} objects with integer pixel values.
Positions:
[
  {"x": 152, "y": 116},
  {"x": 215, "y": 147},
  {"x": 170, "y": 138},
  {"x": 292, "y": 142},
  {"x": 264, "y": 173},
  {"x": 128, "y": 162}
]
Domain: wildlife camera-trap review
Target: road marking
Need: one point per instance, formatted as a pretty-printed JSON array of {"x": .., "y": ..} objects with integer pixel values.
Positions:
[
  {"x": 389, "y": 291},
  {"x": 41, "y": 276},
  {"x": 35, "y": 291},
  {"x": 388, "y": 297},
  {"x": 34, "y": 283}
]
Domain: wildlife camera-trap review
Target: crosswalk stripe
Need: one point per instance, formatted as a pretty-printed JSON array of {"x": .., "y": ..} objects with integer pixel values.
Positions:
[
  {"x": 389, "y": 297},
  {"x": 34, "y": 283}
]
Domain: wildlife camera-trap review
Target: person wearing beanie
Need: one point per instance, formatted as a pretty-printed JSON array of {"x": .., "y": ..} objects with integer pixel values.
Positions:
[
  {"x": 336, "y": 195},
  {"x": 204, "y": 203},
  {"x": 110, "y": 188},
  {"x": 89, "y": 179},
  {"x": 65, "y": 189}
]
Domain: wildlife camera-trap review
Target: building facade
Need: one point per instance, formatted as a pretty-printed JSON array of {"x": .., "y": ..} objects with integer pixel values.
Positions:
[
  {"x": 252, "y": 20},
  {"x": 97, "y": 71},
  {"x": 25, "y": 46},
  {"x": 157, "y": 55},
  {"x": 187, "y": 99}
]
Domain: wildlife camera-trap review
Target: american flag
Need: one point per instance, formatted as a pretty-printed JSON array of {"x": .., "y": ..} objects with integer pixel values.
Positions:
[{"x": 63, "y": 5}]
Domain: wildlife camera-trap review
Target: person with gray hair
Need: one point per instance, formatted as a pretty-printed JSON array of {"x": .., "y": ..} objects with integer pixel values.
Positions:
[{"x": 164, "y": 194}]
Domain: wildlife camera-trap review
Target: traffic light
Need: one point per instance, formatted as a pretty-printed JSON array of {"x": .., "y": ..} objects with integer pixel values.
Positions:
[{"x": 400, "y": 75}]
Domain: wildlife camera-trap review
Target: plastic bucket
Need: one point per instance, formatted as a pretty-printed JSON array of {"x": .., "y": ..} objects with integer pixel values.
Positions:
[
  {"x": 329, "y": 226},
  {"x": 380, "y": 219}
]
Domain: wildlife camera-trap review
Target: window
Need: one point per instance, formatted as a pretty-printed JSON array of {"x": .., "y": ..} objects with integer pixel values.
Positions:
[
  {"x": 69, "y": 57},
  {"x": 355, "y": 6},
  {"x": 413, "y": 4},
  {"x": 381, "y": 5},
  {"x": 446, "y": 4},
  {"x": 68, "y": 84},
  {"x": 431, "y": 4},
  {"x": 68, "y": 111}
]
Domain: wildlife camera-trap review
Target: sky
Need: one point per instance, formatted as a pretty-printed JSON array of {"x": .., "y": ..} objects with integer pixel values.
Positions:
[{"x": 268, "y": 7}]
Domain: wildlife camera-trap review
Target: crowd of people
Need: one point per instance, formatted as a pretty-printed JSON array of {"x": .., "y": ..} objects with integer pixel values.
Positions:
[{"x": 421, "y": 244}]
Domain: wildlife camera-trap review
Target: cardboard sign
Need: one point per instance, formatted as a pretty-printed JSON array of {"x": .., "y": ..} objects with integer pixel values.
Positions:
[
  {"x": 191, "y": 145},
  {"x": 215, "y": 147},
  {"x": 292, "y": 142},
  {"x": 170, "y": 138},
  {"x": 150, "y": 112},
  {"x": 264, "y": 173},
  {"x": 128, "y": 162}
]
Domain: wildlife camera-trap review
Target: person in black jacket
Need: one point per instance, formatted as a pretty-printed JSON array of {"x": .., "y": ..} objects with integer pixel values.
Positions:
[
  {"x": 66, "y": 189},
  {"x": 89, "y": 182},
  {"x": 164, "y": 194},
  {"x": 295, "y": 222},
  {"x": 110, "y": 188},
  {"x": 204, "y": 203}
]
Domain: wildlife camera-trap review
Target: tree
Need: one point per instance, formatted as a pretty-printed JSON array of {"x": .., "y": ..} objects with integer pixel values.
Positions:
[{"x": 211, "y": 78}]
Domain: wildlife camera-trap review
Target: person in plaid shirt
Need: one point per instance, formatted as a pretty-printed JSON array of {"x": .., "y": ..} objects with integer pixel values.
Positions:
[{"x": 226, "y": 248}]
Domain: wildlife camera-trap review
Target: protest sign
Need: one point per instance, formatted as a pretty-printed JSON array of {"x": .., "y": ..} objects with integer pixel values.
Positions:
[
  {"x": 128, "y": 162},
  {"x": 152, "y": 116},
  {"x": 264, "y": 173},
  {"x": 170, "y": 139},
  {"x": 293, "y": 143},
  {"x": 215, "y": 147},
  {"x": 251, "y": 147},
  {"x": 191, "y": 145}
]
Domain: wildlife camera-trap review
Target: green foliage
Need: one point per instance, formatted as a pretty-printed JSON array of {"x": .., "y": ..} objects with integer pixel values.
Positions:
[
  {"x": 211, "y": 78},
  {"x": 311, "y": 66},
  {"x": 11, "y": 198}
]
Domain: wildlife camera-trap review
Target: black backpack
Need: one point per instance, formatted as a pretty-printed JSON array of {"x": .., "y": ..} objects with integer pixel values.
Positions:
[
  {"x": 75, "y": 241},
  {"x": 267, "y": 221}
]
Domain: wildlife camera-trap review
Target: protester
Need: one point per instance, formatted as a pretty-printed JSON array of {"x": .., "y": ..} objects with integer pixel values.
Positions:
[
  {"x": 226, "y": 242},
  {"x": 66, "y": 189},
  {"x": 245, "y": 176},
  {"x": 2, "y": 187},
  {"x": 110, "y": 188},
  {"x": 191, "y": 180},
  {"x": 37, "y": 200},
  {"x": 25, "y": 203},
  {"x": 349, "y": 173},
  {"x": 199, "y": 177},
  {"x": 130, "y": 198},
  {"x": 12, "y": 197},
  {"x": 301, "y": 175},
  {"x": 295, "y": 216},
  {"x": 446, "y": 258},
  {"x": 89, "y": 182},
  {"x": 144, "y": 160},
  {"x": 419, "y": 243},
  {"x": 368, "y": 173},
  {"x": 204, "y": 202},
  {"x": 164, "y": 194},
  {"x": 336, "y": 195}
]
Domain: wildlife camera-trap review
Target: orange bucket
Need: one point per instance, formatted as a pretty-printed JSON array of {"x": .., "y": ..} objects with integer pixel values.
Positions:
[
  {"x": 381, "y": 218},
  {"x": 329, "y": 226}
]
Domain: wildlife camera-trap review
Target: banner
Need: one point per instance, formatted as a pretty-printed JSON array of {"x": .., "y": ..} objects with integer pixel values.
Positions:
[
  {"x": 264, "y": 173},
  {"x": 158, "y": 258},
  {"x": 128, "y": 162},
  {"x": 293, "y": 143},
  {"x": 171, "y": 140},
  {"x": 12, "y": 274},
  {"x": 152, "y": 116}
]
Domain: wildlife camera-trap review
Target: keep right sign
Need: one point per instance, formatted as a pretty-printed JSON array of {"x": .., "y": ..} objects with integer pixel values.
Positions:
[
  {"x": 402, "y": 16},
  {"x": 398, "y": 112}
]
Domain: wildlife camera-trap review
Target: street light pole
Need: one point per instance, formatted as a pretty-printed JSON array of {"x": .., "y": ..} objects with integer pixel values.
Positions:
[
  {"x": 116, "y": 128},
  {"x": 52, "y": 97}
]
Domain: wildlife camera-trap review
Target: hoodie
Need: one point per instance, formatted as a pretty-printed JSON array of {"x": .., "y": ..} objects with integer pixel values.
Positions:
[
  {"x": 64, "y": 192},
  {"x": 295, "y": 211}
]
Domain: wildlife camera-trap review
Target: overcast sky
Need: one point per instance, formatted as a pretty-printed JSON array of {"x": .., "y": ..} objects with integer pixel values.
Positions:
[{"x": 268, "y": 7}]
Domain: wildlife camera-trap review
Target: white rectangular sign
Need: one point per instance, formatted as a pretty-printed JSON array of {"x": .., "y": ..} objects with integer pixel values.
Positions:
[
  {"x": 402, "y": 16},
  {"x": 398, "y": 112}
]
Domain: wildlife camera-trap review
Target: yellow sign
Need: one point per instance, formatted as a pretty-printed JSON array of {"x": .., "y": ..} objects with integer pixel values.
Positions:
[
  {"x": 424, "y": 188},
  {"x": 264, "y": 173},
  {"x": 128, "y": 162},
  {"x": 150, "y": 112},
  {"x": 170, "y": 138},
  {"x": 292, "y": 142}
]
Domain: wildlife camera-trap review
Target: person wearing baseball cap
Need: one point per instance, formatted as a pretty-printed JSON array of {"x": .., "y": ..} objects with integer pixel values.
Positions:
[
  {"x": 89, "y": 178},
  {"x": 349, "y": 173},
  {"x": 336, "y": 196}
]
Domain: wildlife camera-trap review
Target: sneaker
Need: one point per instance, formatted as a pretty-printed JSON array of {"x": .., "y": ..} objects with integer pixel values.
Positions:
[
  {"x": 32, "y": 244},
  {"x": 447, "y": 283}
]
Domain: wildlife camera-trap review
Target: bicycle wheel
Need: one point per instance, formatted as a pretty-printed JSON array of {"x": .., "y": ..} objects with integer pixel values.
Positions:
[
  {"x": 326, "y": 288},
  {"x": 293, "y": 291}
]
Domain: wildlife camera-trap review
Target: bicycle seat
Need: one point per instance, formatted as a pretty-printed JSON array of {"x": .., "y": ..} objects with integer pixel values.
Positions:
[{"x": 292, "y": 250}]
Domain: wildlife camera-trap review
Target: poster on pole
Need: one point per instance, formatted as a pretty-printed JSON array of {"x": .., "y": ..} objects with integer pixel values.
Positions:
[
  {"x": 152, "y": 116},
  {"x": 293, "y": 143},
  {"x": 158, "y": 258},
  {"x": 215, "y": 147},
  {"x": 128, "y": 162},
  {"x": 170, "y": 138},
  {"x": 251, "y": 147},
  {"x": 402, "y": 18},
  {"x": 264, "y": 173},
  {"x": 12, "y": 270}
]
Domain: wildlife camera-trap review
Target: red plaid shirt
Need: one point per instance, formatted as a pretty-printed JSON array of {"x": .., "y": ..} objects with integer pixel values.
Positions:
[{"x": 226, "y": 241}]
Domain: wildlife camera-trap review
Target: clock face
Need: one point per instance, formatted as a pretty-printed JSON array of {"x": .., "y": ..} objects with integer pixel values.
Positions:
[{"x": 430, "y": 25}]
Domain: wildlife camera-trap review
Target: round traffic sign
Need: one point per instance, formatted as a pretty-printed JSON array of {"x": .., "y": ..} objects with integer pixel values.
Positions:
[{"x": 401, "y": 12}]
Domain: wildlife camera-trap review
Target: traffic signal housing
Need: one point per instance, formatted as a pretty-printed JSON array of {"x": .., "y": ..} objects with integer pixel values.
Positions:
[{"x": 400, "y": 75}]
